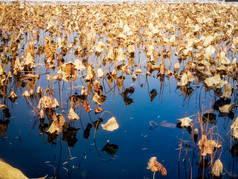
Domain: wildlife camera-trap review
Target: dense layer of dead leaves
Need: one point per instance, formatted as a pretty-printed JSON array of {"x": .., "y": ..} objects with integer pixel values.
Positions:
[{"x": 87, "y": 45}]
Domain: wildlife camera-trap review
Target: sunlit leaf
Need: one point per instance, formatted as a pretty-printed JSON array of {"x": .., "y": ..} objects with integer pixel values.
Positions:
[{"x": 110, "y": 125}]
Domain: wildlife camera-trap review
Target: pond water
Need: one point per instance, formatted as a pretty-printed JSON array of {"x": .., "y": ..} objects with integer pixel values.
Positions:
[{"x": 146, "y": 107}]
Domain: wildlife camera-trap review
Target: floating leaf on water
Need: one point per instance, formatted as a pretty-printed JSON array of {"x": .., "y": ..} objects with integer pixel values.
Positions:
[
  {"x": 167, "y": 124},
  {"x": 155, "y": 166},
  {"x": 217, "y": 168},
  {"x": 111, "y": 149},
  {"x": 110, "y": 125},
  {"x": 185, "y": 122},
  {"x": 226, "y": 108}
]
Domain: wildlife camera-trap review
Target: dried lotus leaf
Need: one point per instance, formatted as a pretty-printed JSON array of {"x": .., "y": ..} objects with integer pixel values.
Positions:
[
  {"x": 9, "y": 172},
  {"x": 215, "y": 82},
  {"x": 86, "y": 106},
  {"x": 57, "y": 124},
  {"x": 227, "y": 91},
  {"x": 98, "y": 109},
  {"x": 185, "y": 122},
  {"x": 12, "y": 95},
  {"x": 68, "y": 71},
  {"x": 26, "y": 93},
  {"x": 234, "y": 128},
  {"x": 155, "y": 166},
  {"x": 217, "y": 168},
  {"x": 90, "y": 73},
  {"x": 79, "y": 65},
  {"x": 2, "y": 106},
  {"x": 100, "y": 73},
  {"x": 138, "y": 71},
  {"x": 72, "y": 115},
  {"x": 110, "y": 125},
  {"x": 100, "y": 47},
  {"x": 176, "y": 67},
  {"x": 29, "y": 61},
  {"x": 226, "y": 108}
]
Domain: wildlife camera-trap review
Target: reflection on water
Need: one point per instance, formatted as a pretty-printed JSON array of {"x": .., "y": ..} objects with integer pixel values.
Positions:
[{"x": 97, "y": 91}]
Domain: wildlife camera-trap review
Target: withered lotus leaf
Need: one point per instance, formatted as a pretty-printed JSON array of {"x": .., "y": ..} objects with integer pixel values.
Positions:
[
  {"x": 176, "y": 67},
  {"x": 120, "y": 55},
  {"x": 100, "y": 72},
  {"x": 29, "y": 60},
  {"x": 234, "y": 128},
  {"x": 110, "y": 125},
  {"x": 55, "y": 103},
  {"x": 2, "y": 106},
  {"x": 84, "y": 91},
  {"x": 57, "y": 124},
  {"x": 90, "y": 73},
  {"x": 98, "y": 109},
  {"x": 12, "y": 95},
  {"x": 207, "y": 146},
  {"x": 215, "y": 82},
  {"x": 155, "y": 166},
  {"x": 39, "y": 90},
  {"x": 217, "y": 168},
  {"x": 68, "y": 72},
  {"x": 226, "y": 108},
  {"x": 86, "y": 106},
  {"x": 185, "y": 122},
  {"x": 72, "y": 116},
  {"x": 138, "y": 71},
  {"x": 100, "y": 47},
  {"x": 227, "y": 91},
  {"x": 45, "y": 102},
  {"x": 42, "y": 114},
  {"x": 9, "y": 172},
  {"x": 26, "y": 93},
  {"x": 79, "y": 65}
]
